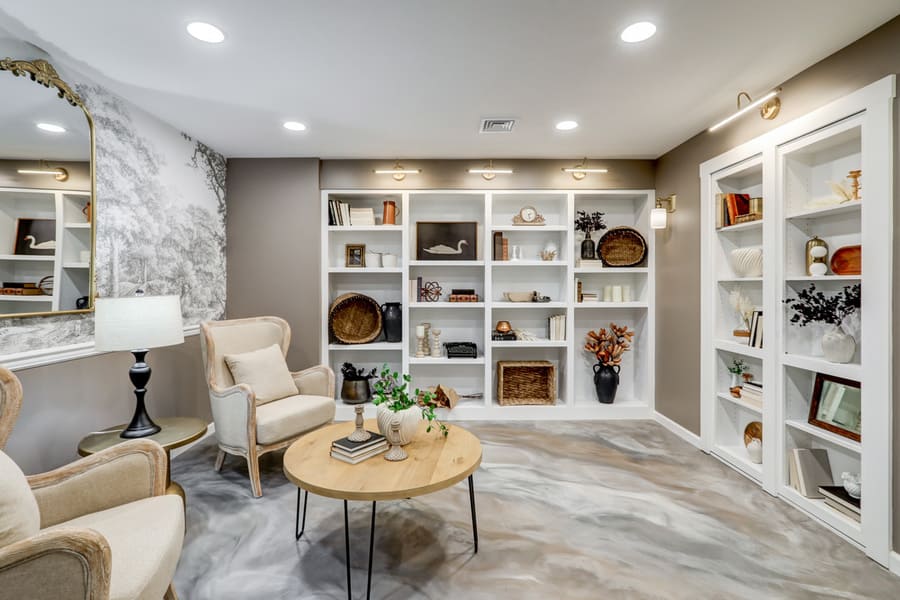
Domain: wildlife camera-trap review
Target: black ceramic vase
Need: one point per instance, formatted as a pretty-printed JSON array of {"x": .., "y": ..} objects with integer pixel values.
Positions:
[
  {"x": 587, "y": 247},
  {"x": 606, "y": 382},
  {"x": 392, "y": 321}
]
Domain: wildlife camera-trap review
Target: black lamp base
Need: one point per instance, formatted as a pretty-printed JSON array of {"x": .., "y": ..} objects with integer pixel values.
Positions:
[{"x": 141, "y": 424}]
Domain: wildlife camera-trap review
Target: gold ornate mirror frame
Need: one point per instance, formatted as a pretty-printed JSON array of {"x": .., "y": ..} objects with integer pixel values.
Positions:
[{"x": 42, "y": 72}]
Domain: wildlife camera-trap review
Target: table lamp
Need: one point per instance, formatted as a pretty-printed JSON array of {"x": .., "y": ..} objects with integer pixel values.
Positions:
[{"x": 136, "y": 324}]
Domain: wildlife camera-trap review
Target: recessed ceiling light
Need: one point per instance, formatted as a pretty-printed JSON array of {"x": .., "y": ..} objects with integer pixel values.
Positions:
[
  {"x": 52, "y": 128},
  {"x": 205, "y": 32},
  {"x": 638, "y": 32},
  {"x": 294, "y": 126},
  {"x": 566, "y": 125}
]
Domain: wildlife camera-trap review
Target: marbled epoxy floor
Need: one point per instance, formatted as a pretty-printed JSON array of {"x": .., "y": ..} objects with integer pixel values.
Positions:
[{"x": 565, "y": 510}]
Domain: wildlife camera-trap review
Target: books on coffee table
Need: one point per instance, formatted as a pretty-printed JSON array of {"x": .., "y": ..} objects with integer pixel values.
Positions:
[{"x": 355, "y": 452}]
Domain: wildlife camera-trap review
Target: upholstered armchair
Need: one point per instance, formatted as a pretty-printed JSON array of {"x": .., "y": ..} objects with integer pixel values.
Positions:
[
  {"x": 245, "y": 424},
  {"x": 101, "y": 528}
]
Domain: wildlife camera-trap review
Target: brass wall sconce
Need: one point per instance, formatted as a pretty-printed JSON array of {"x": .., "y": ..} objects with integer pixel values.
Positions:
[
  {"x": 580, "y": 171},
  {"x": 659, "y": 216},
  {"x": 769, "y": 105},
  {"x": 398, "y": 172},
  {"x": 59, "y": 173},
  {"x": 488, "y": 172}
]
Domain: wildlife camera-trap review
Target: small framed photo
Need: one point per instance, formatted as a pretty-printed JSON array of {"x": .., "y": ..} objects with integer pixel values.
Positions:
[
  {"x": 355, "y": 255},
  {"x": 836, "y": 405},
  {"x": 35, "y": 236}
]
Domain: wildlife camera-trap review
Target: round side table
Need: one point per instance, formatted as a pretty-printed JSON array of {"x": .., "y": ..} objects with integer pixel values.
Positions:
[{"x": 175, "y": 432}]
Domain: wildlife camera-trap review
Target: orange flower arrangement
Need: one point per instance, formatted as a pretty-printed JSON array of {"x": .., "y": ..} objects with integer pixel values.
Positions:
[{"x": 609, "y": 346}]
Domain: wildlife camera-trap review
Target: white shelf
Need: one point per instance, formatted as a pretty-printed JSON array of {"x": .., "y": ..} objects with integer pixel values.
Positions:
[
  {"x": 391, "y": 346},
  {"x": 750, "y": 225},
  {"x": 446, "y": 263},
  {"x": 517, "y": 305},
  {"x": 853, "y": 206},
  {"x": 737, "y": 456},
  {"x": 367, "y": 270},
  {"x": 851, "y": 371},
  {"x": 446, "y": 305},
  {"x": 14, "y": 298},
  {"x": 445, "y": 362},
  {"x": 824, "y": 278},
  {"x": 78, "y": 225},
  {"x": 529, "y": 263},
  {"x": 530, "y": 344},
  {"x": 816, "y": 507},
  {"x": 611, "y": 270},
  {"x": 740, "y": 280},
  {"x": 27, "y": 257},
  {"x": 739, "y": 348},
  {"x": 595, "y": 305},
  {"x": 355, "y": 228},
  {"x": 529, "y": 228},
  {"x": 824, "y": 434},
  {"x": 77, "y": 265},
  {"x": 740, "y": 402}
]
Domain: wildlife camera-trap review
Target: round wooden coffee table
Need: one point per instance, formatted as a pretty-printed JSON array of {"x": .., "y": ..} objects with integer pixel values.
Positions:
[{"x": 434, "y": 463}]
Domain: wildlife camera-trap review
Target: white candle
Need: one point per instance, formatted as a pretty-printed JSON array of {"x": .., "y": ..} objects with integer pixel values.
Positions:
[
  {"x": 617, "y": 293},
  {"x": 626, "y": 293},
  {"x": 607, "y": 293}
]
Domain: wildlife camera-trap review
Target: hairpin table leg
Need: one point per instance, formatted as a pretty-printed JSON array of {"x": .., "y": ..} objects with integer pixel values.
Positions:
[
  {"x": 472, "y": 504},
  {"x": 371, "y": 553},
  {"x": 347, "y": 546},
  {"x": 298, "y": 527}
]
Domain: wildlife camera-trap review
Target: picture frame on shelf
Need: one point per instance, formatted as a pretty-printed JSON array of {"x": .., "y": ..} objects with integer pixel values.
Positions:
[
  {"x": 836, "y": 406},
  {"x": 355, "y": 256},
  {"x": 35, "y": 237},
  {"x": 446, "y": 240}
]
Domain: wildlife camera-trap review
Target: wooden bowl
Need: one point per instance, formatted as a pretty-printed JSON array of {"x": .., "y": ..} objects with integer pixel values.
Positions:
[{"x": 519, "y": 296}]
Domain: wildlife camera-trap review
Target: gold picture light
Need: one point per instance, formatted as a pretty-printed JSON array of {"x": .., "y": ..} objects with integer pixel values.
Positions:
[
  {"x": 58, "y": 173},
  {"x": 769, "y": 105},
  {"x": 580, "y": 171},
  {"x": 398, "y": 172},
  {"x": 488, "y": 172}
]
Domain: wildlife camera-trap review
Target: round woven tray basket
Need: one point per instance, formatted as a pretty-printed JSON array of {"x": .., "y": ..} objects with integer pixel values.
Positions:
[
  {"x": 622, "y": 247},
  {"x": 354, "y": 319}
]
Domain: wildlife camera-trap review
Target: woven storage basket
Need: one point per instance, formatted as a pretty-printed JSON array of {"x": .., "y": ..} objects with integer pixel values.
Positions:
[
  {"x": 525, "y": 382},
  {"x": 354, "y": 319},
  {"x": 622, "y": 247}
]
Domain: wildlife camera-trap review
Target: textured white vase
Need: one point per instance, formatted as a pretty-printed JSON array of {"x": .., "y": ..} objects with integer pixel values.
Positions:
[
  {"x": 409, "y": 422},
  {"x": 837, "y": 346},
  {"x": 754, "y": 451},
  {"x": 747, "y": 262}
]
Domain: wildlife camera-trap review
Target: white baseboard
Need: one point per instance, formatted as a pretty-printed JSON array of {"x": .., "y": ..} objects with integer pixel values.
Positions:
[
  {"x": 895, "y": 563},
  {"x": 210, "y": 430},
  {"x": 688, "y": 436}
]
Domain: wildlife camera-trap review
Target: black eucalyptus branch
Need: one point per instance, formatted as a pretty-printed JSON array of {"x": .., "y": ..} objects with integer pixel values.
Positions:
[
  {"x": 589, "y": 222},
  {"x": 811, "y": 306}
]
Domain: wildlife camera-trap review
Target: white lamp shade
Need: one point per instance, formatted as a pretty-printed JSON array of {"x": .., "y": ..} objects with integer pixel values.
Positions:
[
  {"x": 137, "y": 322},
  {"x": 659, "y": 219}
]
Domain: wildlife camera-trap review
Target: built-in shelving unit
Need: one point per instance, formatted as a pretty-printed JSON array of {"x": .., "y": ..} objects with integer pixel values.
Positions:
[
  {"x": 790, "y": 168},
  {"x": 473, "y": 322},
  {"x": 71, "y": 274}
]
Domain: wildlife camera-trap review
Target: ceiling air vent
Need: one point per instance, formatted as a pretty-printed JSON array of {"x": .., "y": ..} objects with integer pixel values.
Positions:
[{"x": 497, "y": 125}]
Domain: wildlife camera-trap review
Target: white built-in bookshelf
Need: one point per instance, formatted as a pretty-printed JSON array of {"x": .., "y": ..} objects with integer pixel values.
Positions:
[
  {"x": 71, "y": 274},
  {"x": 493, "y": 211},
  {"x": 790, "y": 168}
]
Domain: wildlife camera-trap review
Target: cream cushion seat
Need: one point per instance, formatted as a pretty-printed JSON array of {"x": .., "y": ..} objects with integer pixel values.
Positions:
[
  {"x": 145, "y": 540},
  {"x": 276, "y": 421},
  {"x": 19, "y": 515}
]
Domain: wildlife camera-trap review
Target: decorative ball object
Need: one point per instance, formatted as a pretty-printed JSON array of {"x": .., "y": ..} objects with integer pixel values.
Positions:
[
  {"x": 503, "y": 327},
  {"x": 747, "y": 262},
  {"x": 431, "y": 291}
]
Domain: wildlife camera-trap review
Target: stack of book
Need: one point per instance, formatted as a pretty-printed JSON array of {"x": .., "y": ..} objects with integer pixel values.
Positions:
[
  {"x": 356, "y": 452},
  {"x": 15, "y": 288},
  {"x": 590, "y": 297},
  {"x": 752, "y": 392},
  {"x": 340, "y": 214},
  {"x": 362, "y": 216},
  {"x": 756, "y": 329},
  {"x": 557, "y": 327},
  {"x": 501, "y": 247},
  {"x": 463, "y": 295},
  {"x": 733, "y": 209},
  {"x": 836, "y": 497},
  {"x": 809, "y": 471}
]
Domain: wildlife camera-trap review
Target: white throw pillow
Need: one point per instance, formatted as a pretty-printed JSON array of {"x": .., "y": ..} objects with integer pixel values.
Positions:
[
  {"x": 19, "y": 514},
  {"x": 265, "y": 371}
]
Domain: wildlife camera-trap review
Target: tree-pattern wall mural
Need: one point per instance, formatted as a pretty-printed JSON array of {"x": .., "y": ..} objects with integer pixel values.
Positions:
[{"x": 160, "y": 222}]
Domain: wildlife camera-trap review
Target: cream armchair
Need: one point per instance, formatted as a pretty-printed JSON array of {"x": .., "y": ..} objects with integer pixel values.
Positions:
[{"x": 243, "y": 426}]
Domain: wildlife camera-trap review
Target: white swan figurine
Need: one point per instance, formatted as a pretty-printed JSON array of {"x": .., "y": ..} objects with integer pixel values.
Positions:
[
  {"x": 51, "y": 245},
  {"x": 442, "y": 249}
]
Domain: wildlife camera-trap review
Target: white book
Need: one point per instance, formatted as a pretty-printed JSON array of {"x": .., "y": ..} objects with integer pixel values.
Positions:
[
  {"x": 345, "y": 213},
  {"x": 362, "y": 216}
]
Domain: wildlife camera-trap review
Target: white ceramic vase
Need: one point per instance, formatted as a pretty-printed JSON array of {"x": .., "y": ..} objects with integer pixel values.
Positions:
[
  {"x": 409, "y": 422},
  {"x": 838, "y": 346},
  {"x": 747, "y": 262},
  {"x": 754, "y": 451}
]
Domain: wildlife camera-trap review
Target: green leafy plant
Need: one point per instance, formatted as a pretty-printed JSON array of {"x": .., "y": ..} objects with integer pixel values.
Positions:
[
  {"x": 392, "y": 390},
  {"x": 737, "y": 366}
]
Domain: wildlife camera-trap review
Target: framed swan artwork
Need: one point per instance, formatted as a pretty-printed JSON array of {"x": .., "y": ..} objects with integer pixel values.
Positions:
[
  {"x": 446, "y": 240},
  {"x": 35, "y": 236}
]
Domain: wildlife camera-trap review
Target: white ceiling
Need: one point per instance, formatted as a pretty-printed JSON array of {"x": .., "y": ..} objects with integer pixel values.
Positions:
[{"x": 412, "y": 78}]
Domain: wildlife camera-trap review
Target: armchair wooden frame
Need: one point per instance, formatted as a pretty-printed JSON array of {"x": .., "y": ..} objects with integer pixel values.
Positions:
[{"x": 241, "y": 393}]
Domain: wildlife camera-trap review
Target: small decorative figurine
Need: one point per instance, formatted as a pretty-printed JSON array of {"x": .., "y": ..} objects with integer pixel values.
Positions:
[
  {"x": 816, "y": 257},
  {"x": 854, "y": 183}
]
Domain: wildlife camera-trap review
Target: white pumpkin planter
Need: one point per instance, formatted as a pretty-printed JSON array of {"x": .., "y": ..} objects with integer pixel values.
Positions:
[
  {"x": 409, "y": 422},
  {"x": 747, "y": 262}
]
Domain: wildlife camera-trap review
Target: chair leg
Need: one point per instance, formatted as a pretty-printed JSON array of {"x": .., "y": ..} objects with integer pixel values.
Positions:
[
  {"x": 170, "y": 593},
  {"x": 220, "y": 460},
  {"x": 253, "y": 467}
]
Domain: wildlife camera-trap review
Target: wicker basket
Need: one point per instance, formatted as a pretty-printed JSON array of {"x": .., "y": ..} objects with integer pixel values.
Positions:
[
  {"x": 525, "y": 382},
  {"x": 622, "y": 247},
  {"x": 354, "y": 319}
]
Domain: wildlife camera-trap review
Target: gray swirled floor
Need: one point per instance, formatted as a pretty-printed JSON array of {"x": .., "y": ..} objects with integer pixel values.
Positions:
[{"x": 571, "y": 510}]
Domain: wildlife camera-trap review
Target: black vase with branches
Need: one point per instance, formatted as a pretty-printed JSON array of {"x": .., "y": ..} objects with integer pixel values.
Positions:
[{"x": 588, "y": 222}]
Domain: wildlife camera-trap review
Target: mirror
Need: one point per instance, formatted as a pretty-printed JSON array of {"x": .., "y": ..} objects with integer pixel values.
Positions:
[
  {"x": 836, "y": 405},
  {"x": 47, "y": 208}
]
